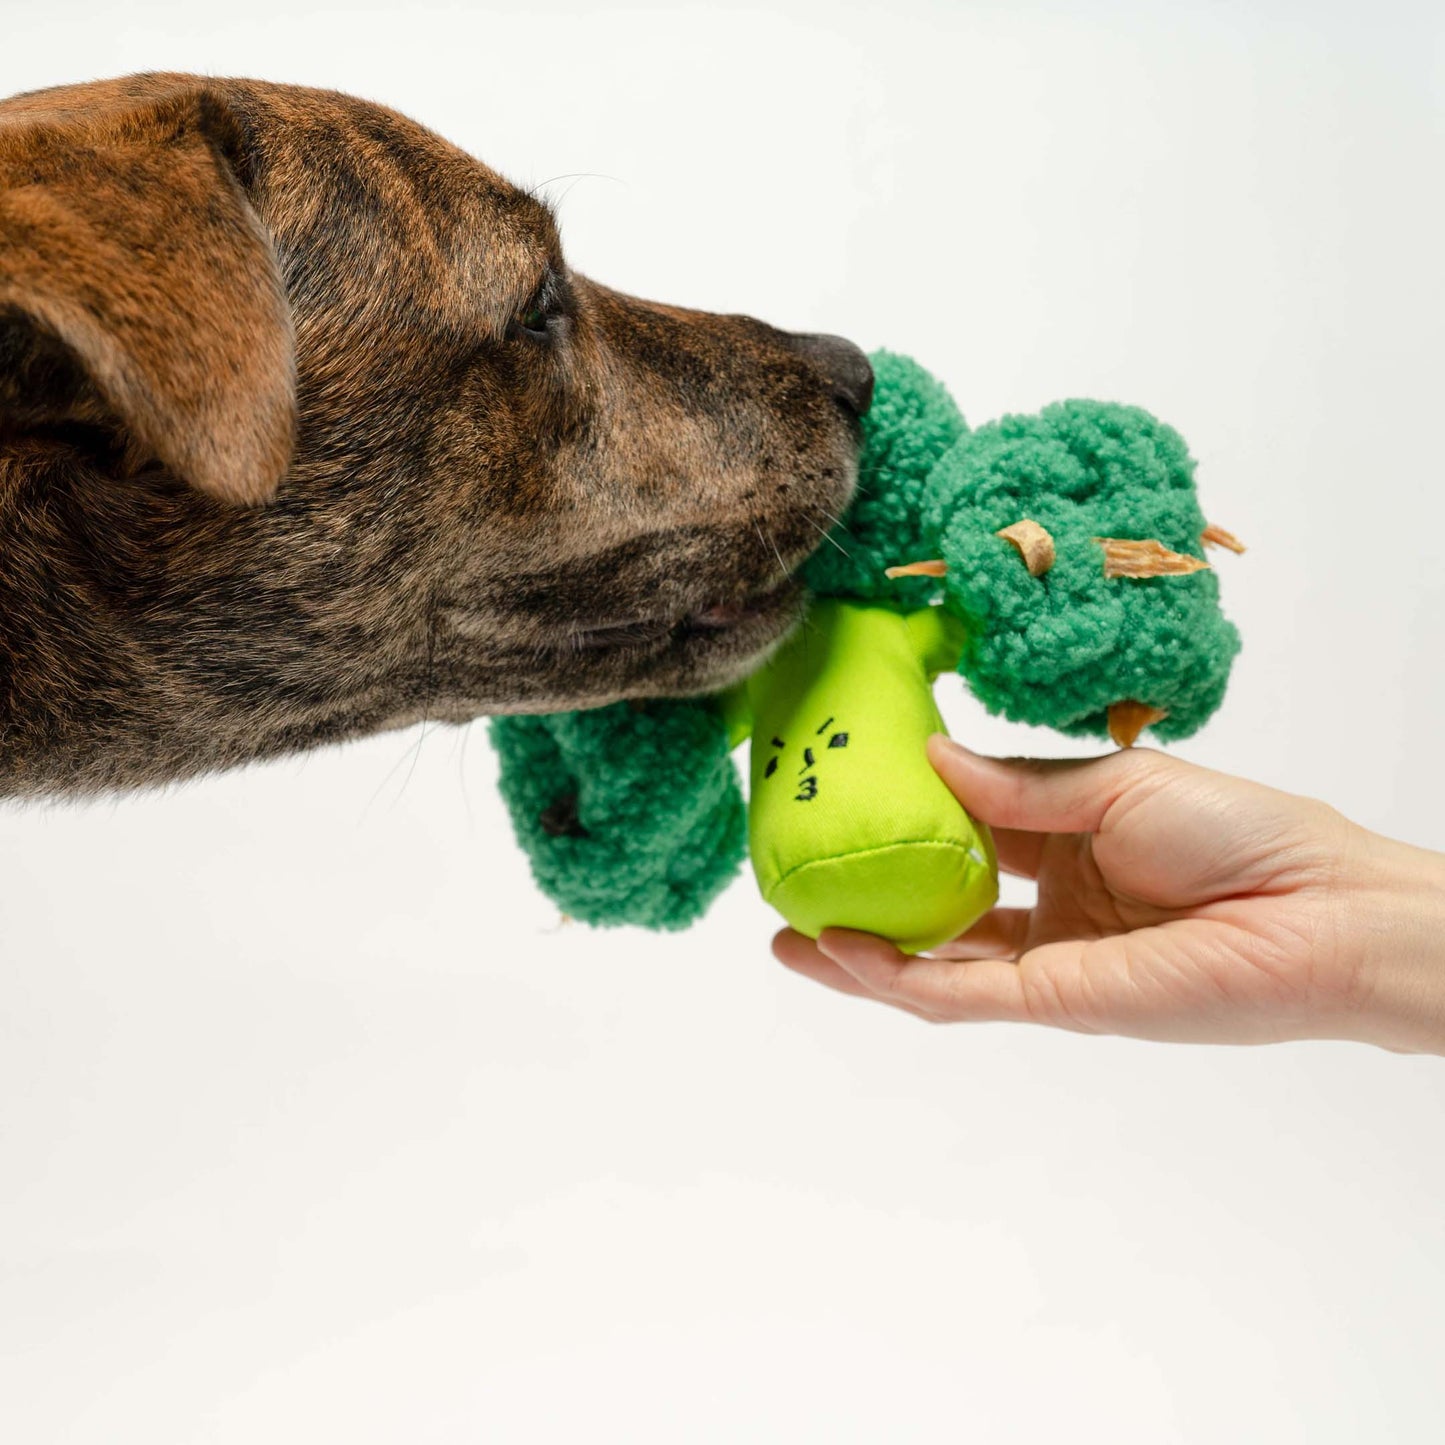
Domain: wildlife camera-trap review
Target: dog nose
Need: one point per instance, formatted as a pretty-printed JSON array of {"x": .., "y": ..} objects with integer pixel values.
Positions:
[{"x": 845, "y": 366}]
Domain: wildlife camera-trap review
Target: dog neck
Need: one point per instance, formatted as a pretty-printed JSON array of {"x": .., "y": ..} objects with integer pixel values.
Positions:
[{"x": 147, "y": 635}]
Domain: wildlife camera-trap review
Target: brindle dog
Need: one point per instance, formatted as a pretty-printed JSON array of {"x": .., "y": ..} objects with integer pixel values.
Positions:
[{"x": 307, "y": 430}]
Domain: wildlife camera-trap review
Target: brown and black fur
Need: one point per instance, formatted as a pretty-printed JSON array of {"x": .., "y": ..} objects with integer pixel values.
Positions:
[{"x": 307, "y": 430}]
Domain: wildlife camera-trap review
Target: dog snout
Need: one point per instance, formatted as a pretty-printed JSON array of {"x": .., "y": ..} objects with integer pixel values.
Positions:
[{"x": 845, "y": 366}]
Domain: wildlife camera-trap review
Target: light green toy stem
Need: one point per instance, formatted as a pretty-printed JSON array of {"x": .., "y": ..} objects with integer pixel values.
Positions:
[{"x": 849, "y": 826}]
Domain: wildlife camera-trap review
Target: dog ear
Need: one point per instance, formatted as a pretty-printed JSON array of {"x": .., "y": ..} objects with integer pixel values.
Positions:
[{"x": 127, "y": 236}]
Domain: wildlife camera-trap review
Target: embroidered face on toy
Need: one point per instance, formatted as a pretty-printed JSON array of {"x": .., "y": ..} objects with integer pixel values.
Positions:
[
  {"x": 849, "y": 823},
  {"x": 825, "y": 738}
]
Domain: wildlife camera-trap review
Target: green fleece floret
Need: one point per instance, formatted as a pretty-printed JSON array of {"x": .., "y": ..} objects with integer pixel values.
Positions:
[
  {"x": 629, "y": 814},
  {"x": 913, "y": 421},
  {"x": 1057, "y": 650}
]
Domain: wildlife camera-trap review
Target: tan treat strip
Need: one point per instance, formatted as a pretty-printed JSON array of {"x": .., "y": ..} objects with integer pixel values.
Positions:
[
  {"x": 1128, "y": 719},
  {"x": 1149, "y": 558},
  {"x": 1034, "y": 545},
  {"x": 937, "y": 568},
  {"x": 1213, "y": 536}
]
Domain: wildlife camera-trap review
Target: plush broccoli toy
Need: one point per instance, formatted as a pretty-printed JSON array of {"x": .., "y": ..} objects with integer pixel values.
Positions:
[{"x": 1056, "y": 561}]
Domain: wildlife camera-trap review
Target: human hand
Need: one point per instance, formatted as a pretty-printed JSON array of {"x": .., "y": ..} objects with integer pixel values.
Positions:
[{"x": 1174, "y": 903}]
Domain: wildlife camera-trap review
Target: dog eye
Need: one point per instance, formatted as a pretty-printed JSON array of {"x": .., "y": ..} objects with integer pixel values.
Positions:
[
  {"x": 543, "y": 310},
  {"x": 535, "y": 321}
]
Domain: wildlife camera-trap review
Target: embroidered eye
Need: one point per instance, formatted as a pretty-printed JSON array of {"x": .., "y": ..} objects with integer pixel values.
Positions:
[{"x": 838, "y": 740}]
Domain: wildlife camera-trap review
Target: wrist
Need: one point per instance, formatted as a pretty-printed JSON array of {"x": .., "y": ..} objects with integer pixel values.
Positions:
[{"x": 1395, "y": 927}]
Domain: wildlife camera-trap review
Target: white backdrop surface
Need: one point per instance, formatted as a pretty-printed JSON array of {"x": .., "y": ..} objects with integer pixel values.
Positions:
[{"x": 315, "y": 1125}]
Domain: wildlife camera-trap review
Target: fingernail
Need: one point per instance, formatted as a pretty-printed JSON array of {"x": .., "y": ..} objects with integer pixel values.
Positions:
[
  {"x": 956, "y": 749},
  {"x": 951, "y": 745}
]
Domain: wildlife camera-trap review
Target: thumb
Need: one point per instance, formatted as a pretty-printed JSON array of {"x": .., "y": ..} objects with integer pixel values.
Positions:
[{"x": 1045, "y": 795}]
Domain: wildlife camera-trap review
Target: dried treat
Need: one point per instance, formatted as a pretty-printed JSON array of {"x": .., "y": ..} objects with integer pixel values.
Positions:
[
  {"x": 1034, "y": 545},
  {"x": 937, "y": 568},
  {"x": 1128, "y": 719},
  {"x": 1124, "y": 557},
  {"x": 1213, "y": 536}
]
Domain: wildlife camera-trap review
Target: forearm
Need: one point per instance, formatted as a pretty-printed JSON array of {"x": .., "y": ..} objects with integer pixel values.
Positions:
[{"x": 1395, "y": 924}]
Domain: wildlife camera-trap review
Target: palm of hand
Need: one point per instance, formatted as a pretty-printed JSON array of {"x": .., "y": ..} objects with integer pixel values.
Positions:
[
  {"x": 1116, "y": 943},
  {"x": 1194, "y": 908}
]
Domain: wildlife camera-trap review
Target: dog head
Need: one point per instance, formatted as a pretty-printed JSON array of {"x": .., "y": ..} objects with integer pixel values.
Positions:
[{"x": 334, "y": 439}]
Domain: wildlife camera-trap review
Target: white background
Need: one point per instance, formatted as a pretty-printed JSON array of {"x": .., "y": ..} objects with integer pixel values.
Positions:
[{"x": 316, "y": 1126}]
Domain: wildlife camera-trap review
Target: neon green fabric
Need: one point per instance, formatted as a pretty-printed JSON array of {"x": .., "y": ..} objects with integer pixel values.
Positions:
[{"x": 848, "y": 824}]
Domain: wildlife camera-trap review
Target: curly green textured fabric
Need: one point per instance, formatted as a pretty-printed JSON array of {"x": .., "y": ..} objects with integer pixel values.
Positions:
[
  {"x": 1057, "y": 650},
  {"x": 913, "y": 421},
  {"x": 628, "y": 814}
]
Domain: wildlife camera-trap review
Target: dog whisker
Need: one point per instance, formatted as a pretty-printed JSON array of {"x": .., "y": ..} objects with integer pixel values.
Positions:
[
  {"x": 782, "y": 566},
  {"x": 827, "y": 536},
  {"x": 466, "y": 731},
  {"x": 409, "y": 755},
  {"x": 574, "y": 176},
  {"x": 431, "y": 636}
]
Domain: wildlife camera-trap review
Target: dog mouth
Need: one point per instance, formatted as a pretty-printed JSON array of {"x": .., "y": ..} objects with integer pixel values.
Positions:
[{"x": 760, "y": 618}]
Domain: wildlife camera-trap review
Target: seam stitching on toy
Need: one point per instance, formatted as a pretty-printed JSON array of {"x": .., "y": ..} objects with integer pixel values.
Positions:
[{"x": 868, "y": 853}]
